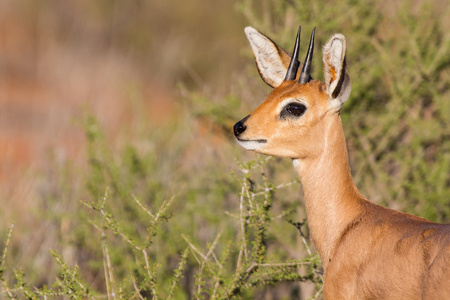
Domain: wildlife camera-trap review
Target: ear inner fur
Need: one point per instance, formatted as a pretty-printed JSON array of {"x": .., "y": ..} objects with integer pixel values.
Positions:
[
  {"x": 335, "y": 72},
  {"x": 272, "y": 61},
  {"x": 338, "y": 88}
]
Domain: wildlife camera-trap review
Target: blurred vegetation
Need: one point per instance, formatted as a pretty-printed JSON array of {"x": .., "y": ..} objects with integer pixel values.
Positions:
[{"x": 168, "y": 212}]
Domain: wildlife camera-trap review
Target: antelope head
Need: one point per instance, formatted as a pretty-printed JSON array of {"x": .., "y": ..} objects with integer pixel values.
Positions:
[{"x": 295, "y": 118}]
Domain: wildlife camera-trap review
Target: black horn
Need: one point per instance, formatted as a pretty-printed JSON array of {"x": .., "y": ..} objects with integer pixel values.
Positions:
[
  {"x": 305, "y": 76},
  {"x": 294, "y": 64}
]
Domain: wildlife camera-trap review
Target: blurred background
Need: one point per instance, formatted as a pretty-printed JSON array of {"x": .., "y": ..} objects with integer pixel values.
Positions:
[
  {"x": 139, "y": 97},
  {"x": 61, "y": 60}
]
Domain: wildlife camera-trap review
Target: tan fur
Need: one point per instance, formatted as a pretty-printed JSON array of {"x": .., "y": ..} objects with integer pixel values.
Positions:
[{"x": 368, "y": 251}]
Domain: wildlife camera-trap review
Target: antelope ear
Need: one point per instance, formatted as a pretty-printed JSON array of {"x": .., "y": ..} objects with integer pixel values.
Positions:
[
  {"x": 337, "y": 80},
  {"x": 271, "y": 60}
]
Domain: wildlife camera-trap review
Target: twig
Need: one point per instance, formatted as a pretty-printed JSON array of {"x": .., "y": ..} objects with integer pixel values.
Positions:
[
  {"x": 111, "y": 223},
  {"x": 193, "y": 247},
  {"x": 299, "y": 225},
  {"x": 280, "y": 186},
  {"x": 7, "y": 290},
  {"x": 164, "y": 206},
  {"x": 109, "y": 277},
  {"x": 178, "y": 273},
  {"x": 318, "y": 292},
  {"x": 292, "y": 264},
  {"x": 213, "y": 246},
  {"x": 150, "y": 276},
  {"x": 241, "y": 217},
  {"x": 143, "y": 207},
  {"x": 5, "y": 251},
  {"x": 138, "y": 292}
]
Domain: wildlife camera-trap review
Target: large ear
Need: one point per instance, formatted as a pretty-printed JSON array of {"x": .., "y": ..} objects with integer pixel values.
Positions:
[
  {"x": 337, "y": 80},
  {"x": 271, "y": 60}
]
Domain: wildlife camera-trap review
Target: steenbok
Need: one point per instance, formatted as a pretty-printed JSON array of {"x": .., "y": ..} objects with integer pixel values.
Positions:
[{"x": 368, "y": 251}]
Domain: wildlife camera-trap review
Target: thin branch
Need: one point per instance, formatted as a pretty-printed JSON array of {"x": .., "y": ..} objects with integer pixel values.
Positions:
[
  {"x": 5, "y": 251},
  {"x": 193, "y": 247},
  {"x": 111, "y": 223},
  {"x": 150, "y": 276},
  {"x": 280, "y": 186},
  {"x": 292, "y": 264},
  {"x": 242, "y": 221},
  {"x": 8, "y": 290},
  {"x": 178, "y": 273},
  {"x": 164, "y": 206},
  {"x": 213, "y": 246},
  {"x": 138, "y": 292},
  {"x": 316, "y": 295},
  {"x": 143, "y": 207},
  {"x": 109, "y": 276}
]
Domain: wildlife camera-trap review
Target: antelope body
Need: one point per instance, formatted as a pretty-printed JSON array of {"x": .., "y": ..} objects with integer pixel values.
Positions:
[{"x": 368, "y": 251}]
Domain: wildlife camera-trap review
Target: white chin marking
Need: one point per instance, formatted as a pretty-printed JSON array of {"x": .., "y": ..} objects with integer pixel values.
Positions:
[
  {"x": 296, "y": 162},
  {"x": 250, "y": 145}
]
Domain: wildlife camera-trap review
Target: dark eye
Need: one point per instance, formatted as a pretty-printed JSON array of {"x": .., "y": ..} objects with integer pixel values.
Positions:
[{"x": 296, "y": 109}]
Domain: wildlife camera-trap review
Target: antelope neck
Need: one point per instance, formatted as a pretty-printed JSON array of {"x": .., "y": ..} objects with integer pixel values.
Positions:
[{"x": 332, "y": 199}]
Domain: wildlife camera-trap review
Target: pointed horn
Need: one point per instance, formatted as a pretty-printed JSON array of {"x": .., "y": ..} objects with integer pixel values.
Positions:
[
  {"x": 294, "y": 64},
  {"x": 305, "y": 76}
]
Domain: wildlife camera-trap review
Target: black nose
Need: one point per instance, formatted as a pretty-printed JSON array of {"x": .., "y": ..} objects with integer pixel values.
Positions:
[{"x": 239, "y": 127}]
